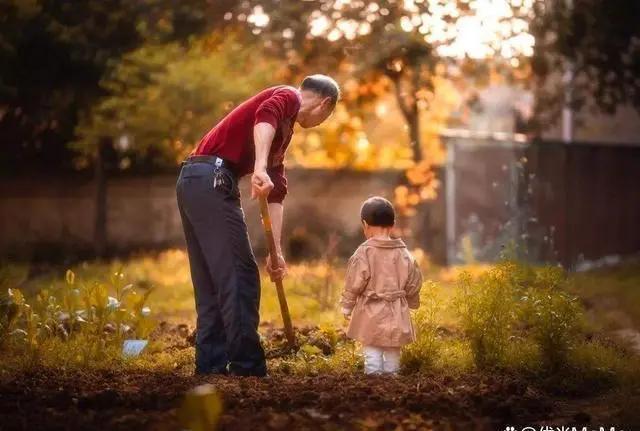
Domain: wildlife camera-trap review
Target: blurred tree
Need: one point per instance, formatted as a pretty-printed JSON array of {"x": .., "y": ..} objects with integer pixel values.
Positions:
[
  {"x": 600, "y": 41},
  {"x": 54, "y": 53},
  {"x": 51, "y": 57},
  {"x": 401, "y": 47},
  {"x": 163, "y": 97},
  {"x": 394, "y": 42}
]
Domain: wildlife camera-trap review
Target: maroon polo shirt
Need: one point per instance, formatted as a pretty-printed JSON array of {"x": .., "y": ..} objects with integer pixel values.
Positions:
[{"x": 232, "y": 138}]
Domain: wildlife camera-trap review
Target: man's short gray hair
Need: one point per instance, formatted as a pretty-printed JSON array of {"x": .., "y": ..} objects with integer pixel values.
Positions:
[{"x": 323, "y": 85}]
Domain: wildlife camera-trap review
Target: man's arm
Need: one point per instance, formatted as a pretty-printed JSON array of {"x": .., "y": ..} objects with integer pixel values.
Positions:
[
  {"x": 263, "y": 135},
  {"x": 269, "y": 115},
  {"x": 270, "y": 182},
  {"x": 261, "y": 184}
]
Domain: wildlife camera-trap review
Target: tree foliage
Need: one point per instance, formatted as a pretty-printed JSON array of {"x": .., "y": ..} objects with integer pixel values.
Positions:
[
  {"x": 400, "y": 43},
  {"x": 164, "y": 97},
  {"x": 53, "y": 54},
  {"x": 600, "y": 41}
]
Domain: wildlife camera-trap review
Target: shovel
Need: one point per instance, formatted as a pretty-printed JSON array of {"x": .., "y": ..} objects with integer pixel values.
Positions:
[{"x": 284, "y": 308}]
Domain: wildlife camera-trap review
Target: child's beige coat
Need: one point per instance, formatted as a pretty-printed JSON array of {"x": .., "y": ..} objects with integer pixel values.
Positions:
[{"x": 382, "y": 283}]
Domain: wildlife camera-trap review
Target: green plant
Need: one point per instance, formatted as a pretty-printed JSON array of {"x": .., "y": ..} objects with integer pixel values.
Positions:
[
  {"x": 342, "y": 357},
  {"x": 517, "y": 301},
  {"x": 79, "y": 318},
  {"x": 422, "y": 354},
  {"x": 554, "y": 318},
  {"x": 10, "y": 309},
  {"x": 486, "y": 308}
]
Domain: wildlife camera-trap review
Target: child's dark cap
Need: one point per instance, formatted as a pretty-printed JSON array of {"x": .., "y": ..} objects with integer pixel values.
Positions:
[{"x": 377, "y": 211}]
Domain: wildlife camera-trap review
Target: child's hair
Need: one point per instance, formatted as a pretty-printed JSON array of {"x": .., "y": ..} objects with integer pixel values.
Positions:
[{"x": 377, "y": 211}]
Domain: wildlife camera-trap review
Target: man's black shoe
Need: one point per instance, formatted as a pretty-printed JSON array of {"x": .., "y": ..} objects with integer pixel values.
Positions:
[
  {"x": 215, "y": 371},
  {"x": 239, "y": 372}
]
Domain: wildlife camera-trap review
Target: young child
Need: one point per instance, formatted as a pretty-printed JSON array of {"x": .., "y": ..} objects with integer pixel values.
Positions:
[{"x": 382, "y": 283}]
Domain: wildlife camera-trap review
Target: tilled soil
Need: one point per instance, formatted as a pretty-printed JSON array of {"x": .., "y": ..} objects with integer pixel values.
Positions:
[
  {"x": 110, "y": 401},
  {"x": 50, "y": 399},
  {"x": 148, "y": 401}
]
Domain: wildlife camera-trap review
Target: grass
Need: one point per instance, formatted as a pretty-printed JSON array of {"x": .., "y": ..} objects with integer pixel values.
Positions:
[
  {"x": 508, "y": 317},
  {"x": 613, "y": 293}
]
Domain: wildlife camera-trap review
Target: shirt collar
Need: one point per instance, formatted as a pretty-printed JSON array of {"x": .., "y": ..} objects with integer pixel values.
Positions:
[{"x": 385, "y": 243}]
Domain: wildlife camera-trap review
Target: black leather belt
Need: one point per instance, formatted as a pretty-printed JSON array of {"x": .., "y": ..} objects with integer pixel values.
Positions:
[{"x": 216, "y": 161}]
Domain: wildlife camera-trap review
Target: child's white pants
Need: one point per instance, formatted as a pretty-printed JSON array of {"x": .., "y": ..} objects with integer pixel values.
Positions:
[{"x": 381, "y": 359}]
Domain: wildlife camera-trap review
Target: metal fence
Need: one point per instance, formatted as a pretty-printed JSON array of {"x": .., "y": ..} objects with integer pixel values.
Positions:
[{"x": 568, "y": 203}]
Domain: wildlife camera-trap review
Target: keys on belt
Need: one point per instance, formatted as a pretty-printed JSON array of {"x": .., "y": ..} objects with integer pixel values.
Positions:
[{"x": 220, "y": 178}]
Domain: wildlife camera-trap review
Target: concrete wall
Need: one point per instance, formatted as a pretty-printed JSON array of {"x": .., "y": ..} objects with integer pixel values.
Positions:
[{"x": 57, "y": 214}]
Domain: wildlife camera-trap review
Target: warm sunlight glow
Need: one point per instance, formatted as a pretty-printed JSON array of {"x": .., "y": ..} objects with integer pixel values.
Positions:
[
  {"x": 258, "y": 17},
  {"x": 381, "y": 110},
  {"x": 319, "y": 24},
  {"x": 488, "y": 28}
]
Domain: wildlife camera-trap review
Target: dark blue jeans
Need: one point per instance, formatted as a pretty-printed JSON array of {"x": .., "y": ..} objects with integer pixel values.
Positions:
[{"x": 223, "y": 271}]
